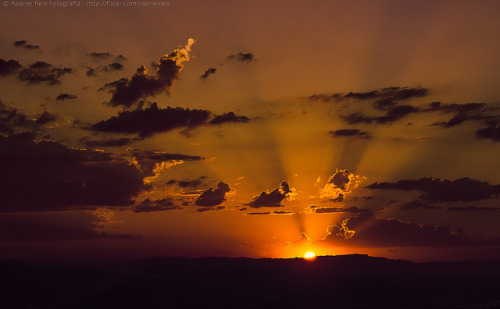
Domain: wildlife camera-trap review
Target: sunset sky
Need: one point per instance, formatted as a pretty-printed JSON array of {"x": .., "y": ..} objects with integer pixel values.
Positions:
[{"x": 251, "y": 128}]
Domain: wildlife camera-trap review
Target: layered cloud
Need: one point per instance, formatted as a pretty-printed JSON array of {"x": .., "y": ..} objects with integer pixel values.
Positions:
[
  {"x": 128, "y": 92},
  {"x": 149, "y": 205},
  {"x": 437, "y": 190},
  {"x": 366, "y": 230},
  {"x": 41, "y": 176},
  {"x": 70, "y": 225}
]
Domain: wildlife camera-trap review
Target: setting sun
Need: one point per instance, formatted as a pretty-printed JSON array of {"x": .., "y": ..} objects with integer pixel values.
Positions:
[{"x": 309, "y": 255}]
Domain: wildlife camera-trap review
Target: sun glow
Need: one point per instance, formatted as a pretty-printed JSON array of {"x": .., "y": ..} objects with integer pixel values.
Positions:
[{"x": 309, "y": 255}]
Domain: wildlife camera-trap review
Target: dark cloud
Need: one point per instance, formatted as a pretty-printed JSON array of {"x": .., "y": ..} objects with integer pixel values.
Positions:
[
  {"x": 40, "y": 72},
  {"x": 151, "y": 120},
  {"x": 490, "y": 132},
  {"x": 100, "y": 56},
  {"x": 325, "y": 210},
  {"x": 473, "y": 208},
  {"x": 356, "y": 118},
  {"x": 52, "y": 227},
  {"x": 365, "y": 230},
  {"x": 282, "y": 212},
  {"x": 10, "y": 118},
  {"x": 204, "y": 209},
  {"x": 47, "y": 176},
  {"x": 418, "y": 205},
  {"x": 263, "y": 213},
  {"x": 91, "y": 72},
  {"x": 25, "y": 44},
  {"x": 242, "y": 57},
  {"x": 149, "y": 205},
  {"x": 437, "y": 190},
  {"x": 350, "y": 133},
  {"x": 213, "y": 197},
  {"x": 106, "y": 143},
  {"x": 142, "y": 85},
  {"x": 462, "y": 112},
  {"x": 385, "y": 97},
  {"x": 393, "y": 114},
  {"x": 115, "y": 66},
  {"x": 187, "y": 183},
  {"x": 208, "y": 72},
  {"x": 9, "y": 66},
  {"x": 45, "y": 118},
  {"x": 148, "y": 159},
  {"x": 65, "y": 96},
  {"x": 227, "y": 118},
  {"x": 273, "y": 198}
]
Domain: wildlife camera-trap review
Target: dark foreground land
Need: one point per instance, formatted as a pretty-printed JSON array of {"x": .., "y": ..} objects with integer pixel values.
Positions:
[{"x": 353, "y": 281}]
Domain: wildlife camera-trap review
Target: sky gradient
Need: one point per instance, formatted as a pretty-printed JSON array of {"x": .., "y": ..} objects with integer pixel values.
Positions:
[{"x": 259, "y": 129}]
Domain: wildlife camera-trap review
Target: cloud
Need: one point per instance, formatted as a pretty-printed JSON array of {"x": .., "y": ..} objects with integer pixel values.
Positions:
[
  {"x": 213, "y": 197},
  {"x": 208, "y": 72},
  {"x": 10, "y": 117},
  {"x": 148, "y": 160},
  {"x": 282, "y": 212},
  {"x": 152, "y": 120},
  {"x": 325, "y": 210},
  {"x": 228, "y": 117},
  {"x": 100, "y": 56},
  {"x": 350, "y": 133},
  {"x": 340, "y": 184},
  {"x": 45, "y": 118},
  {"x": 263, "y": 213},
  {"x": 392, "y": 114},
  {"x": 418, "y": 205},
  {"x": 490, "y": 132},
  {"x": 53, "y": 226},
  {"x": 473, "y": 208},
  {"x": 91, "y": 72},
  {"x": 142, "y": 85},
  {"x": 273, "y": 198},
  {"x": 149, "y": 205},
  {"x": 65, "y": 96},
  {"x": 187, "y": 183},
  {"x": 115, "y": 66},
  {"x": 437, "y": 190},
  {"x": 242, "y": 57},
  {"x": 24, "y": 44},
  {"x": 106, "y": 143},
  {"x": 385, "y": 97},
  {"x": 365, "y": 230},
  {"x": 9, "y": 66},
  {"x": 204, "y": 209},
  {"x": 462, "y": 113},
  {"x": 48, "y": 176},
  {"x": 40, "y": 72}
]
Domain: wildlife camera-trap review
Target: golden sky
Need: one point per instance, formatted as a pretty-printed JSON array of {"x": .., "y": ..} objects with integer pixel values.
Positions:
[{"x": 251, "y": 128}]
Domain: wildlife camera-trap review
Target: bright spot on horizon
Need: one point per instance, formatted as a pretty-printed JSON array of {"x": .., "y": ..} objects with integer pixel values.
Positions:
[{"x": 309, "y": 255}]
